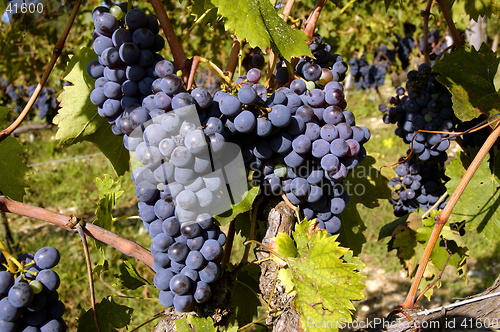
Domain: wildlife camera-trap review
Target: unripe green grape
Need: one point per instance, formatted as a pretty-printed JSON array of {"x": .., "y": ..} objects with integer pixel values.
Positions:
[
  {"x": 280, "y": 170},
  {"x": 310, "y": 85},
  {"x": 117, "y": 12},
  {"x": 36, "y": 286}
]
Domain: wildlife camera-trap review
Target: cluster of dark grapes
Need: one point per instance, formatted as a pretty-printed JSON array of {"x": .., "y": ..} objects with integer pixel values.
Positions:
[
  {"x": 300, "y": 140},
  {"x": 365, "y": 75},
  {"x": 426, "y": 106},
  {"x": 17, "y": 96},
  {"x": 436, "y": 44},
  {"x": 29, "y": 299},
  {"x": 181, "y": 185},
  {"x": 474, "y": 138},
  {"x": 418, "y": 185},
  {"x": 125, "y": 69}
]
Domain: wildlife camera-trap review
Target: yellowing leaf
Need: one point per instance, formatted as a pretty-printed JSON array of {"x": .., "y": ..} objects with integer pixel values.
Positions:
[{"x": 325, "y": 284}]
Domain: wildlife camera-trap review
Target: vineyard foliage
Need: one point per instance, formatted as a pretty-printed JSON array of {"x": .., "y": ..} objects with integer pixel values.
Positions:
[{"x": 322, "y": 273}]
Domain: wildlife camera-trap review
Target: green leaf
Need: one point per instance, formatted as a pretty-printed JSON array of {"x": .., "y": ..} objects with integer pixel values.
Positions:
[
  {"x": 476, "y": 8},
  {"x": 469, "y": 76},
  {"x": 13, "y": 171},
  {"x": 283, "y": 245},
  {"x": 110, "y": 316},
  {"x": 244, "y": 295},
  {"x": 258, "y": 23},
  {"x": 389, "y": 228},
  {"x": 109, "y": 192},
  {"x": 129, "y": 278},
  {"x": 352, "y": 229},
  {"x": 78, "y": 120},
  {"x": 195, "y": 324},
  {"x": 387, "y": 4},
  {"x": 3, "y": 5},
  {"x": 233, "y": 329},
  {"x": 325, "y": 284},
  {"x": 480, "y": 201},
  {"x": 365, "y": 184},
  {"x": 243, "y": 206}
]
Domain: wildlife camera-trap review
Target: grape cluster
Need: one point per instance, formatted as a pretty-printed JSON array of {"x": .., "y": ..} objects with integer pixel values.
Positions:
[
  {"x": 300, "y": 140},
  {"x": 180, "y": 186},
  {"x": 426, "y": 106},
  {"x": 417, "y": 185},
  {"x": 474, "y": 138},
  {"x": 18, "y": 95},
  {"x": 436, "y": 44},
  {"x": 29, "y": 299},
  {"x": 125, "y": 69},
  {"x": 365, "y": 75}
]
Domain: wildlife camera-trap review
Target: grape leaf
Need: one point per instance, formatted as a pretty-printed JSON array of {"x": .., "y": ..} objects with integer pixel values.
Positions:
[
  {"x": 109, "y": 192},
  {"x": 78, "y": 120},
  {"x": 110, "y": 316},
  {"x": 258, "y": 23},
  {"x": 244, "y": 295},
  {"x": 389, "y": 228},
  {"x": 469, "y": 76},
  {"x": 476, "y": 8},
  {"x": 200, "y": 7},
  {"x": 13, "y": 171},
  {"x": 365, "y": 184},
  {"x": 352, "y": 229},
  {"x": 129, "y": 278},
  {"x": 241, "y": 207},
  {"x": 196, "y": 324},
  {"x": 480, "y": 211},
  {"x": 325, "y": 285}
]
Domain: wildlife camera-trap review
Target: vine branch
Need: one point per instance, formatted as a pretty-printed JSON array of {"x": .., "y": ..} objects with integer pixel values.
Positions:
[
  {"x": 313, "y": 18},
  {"x": 55, "y": 55},
  {"x": 125, "y": 246},
  {"x": 440, "y": 220},
  {"x": 180, "y": 59},
  {"x": 425, "y": 15},
  {"x": 455, "y": 34}
]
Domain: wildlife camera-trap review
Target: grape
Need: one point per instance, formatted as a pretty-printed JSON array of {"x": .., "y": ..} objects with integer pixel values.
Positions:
[
  {"x": 20, "y": 294},
  {"x": 258, "y": 60},
  {"x": 6, "y": 282},
  {"x": 299, "y": 187},
  {"x": 143, "y": 38},
  {"x": 340, "y": 147},
  {"x": 329, "y": 132},
  {"x": 129, "y": 53},
  {"x": 135, "y": 19},
  {"x": 162, "y": 279},
  {"x": 214, "y": 125},
  {"x": 8, "y": 312},
  {"x": 211, "y": 250},
  {"x": 46, "y": 258},
  {"x": 301, "y": 144},
  {"x": 117, "y": 74},
  {"x": 183, "y": 303},
  {"x": 247, "y": 95},
  {"x": 49, "y": 279},
  {"x": 311, "y": 72},
  {"x": 282, "y": 75},
  {"x": 195, "y": 260},
  {"x": 293, "y": 159},
  {"x": 105, "y": 23},
  {"x": 121, "y": 36},
  {"x": 202, "y": 97},
  {"x": 171, "y": 84},
  {"x": 110, "y": 57},
  {"x": 230, "y": 105},
  {"x": 298, "y": 86},
  {"x": 245, "y": 122},
  {"x": 102, "y": 43},
  {"x": 315, "y": 98},
  {"x": 203, "y": 292},
  {"x": 254, "y": 75},
  {"x": 209, "y": 273},
  {"x": 330, "y": 163},
  {"x": 280, "y": 116}
]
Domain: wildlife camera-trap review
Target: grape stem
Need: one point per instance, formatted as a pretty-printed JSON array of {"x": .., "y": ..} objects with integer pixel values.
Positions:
[
  {"x": 180, "y": 59},
  {"x": 455, "y": 34},
  {"x": 425, "y": 15},
  {"x": 313, "y": 19},
  {"x": 55, "y": 55},
  {"x": 219, "y": 72},
  {"x": 232, "y": 62},
  {"x": 229, "y": 243},
  {"x": 440, "y": 220},
  {"x": 79, "y": 229},
  {"x": 253, "y": 223},
  {"x": 8, "y": 257},
  {"x": 122, "y": 244}
]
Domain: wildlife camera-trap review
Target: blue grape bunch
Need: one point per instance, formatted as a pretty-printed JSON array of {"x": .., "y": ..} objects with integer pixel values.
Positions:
[{"x": 29, "y": 300}]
